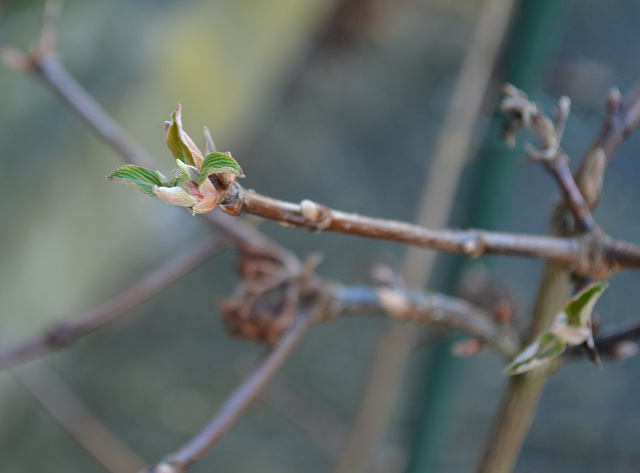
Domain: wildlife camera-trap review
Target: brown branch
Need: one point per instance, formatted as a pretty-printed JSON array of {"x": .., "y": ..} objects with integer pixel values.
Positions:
[
  {"x": 622, "y": 119},
  {"x": 239, "y": 401},
  {"x": 423, "y": 308},
  {"x": 63, "y": 333},
  {"x": 592, "y": 255},
  {"x": 77, "y": 419}
]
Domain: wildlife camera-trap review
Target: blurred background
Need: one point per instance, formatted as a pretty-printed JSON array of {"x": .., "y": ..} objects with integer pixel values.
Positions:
[{"x": 350, "y": 97}]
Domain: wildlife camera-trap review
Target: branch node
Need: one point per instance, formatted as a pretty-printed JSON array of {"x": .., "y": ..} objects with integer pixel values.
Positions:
[
  {"x": 61, "y": 335},
  {"x": 232, "y": 202},
  {"x": 318, "y": 216},
  {"x": 474, "y": 246},
  {"x": 592, "y": 258}
]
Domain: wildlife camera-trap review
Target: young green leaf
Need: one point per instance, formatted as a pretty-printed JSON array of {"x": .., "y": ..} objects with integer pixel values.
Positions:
[
  {"x": 191, "y": 172},
  {"x": 180, "y": 144},
  {"x": 580, "y": 306},
  {"x": 571, "y": 327},
  {"x": 540, "y": 352},
  {"x": 219, "y": 163},
  {"x": 137, "y": 177}
]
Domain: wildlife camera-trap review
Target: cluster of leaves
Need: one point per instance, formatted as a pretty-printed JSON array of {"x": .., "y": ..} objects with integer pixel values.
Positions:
[{"x": 197, "y": 183}]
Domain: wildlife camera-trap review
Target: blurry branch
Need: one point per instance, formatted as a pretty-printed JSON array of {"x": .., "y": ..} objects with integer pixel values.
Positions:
[
  {"x": 525, "y": 114},
  {"x": 64, "y": 333},
  {"x": 43, "y": 62},
  {"x": 258, "y": 308},
  {"x": 418, "y": 307},
  {"x": 622, "y": 119},
  {"x": 77, "y": 419},
  {"x": 616, "y": 344},
  {"x": 240, "y": 400}
]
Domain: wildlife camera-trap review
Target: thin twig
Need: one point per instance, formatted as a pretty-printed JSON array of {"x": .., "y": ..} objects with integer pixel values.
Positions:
[
  {"x": 63, "y": 333},
  {"x": 77, "y": 419},
  {"x": 608, "y": 343},
  {"x": 239, "y": 401},
  {"x": 622, "y": 119},
  {"x": 526, "y": 114}
]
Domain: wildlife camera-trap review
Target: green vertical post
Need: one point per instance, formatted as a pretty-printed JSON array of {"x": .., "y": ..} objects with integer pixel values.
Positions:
[{"x": 532, "y": 37}]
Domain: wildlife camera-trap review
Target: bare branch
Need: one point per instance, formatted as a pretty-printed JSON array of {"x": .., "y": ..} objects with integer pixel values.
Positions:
[
  {"x": 239, "y": 401},
  {"x": 64, "y": 333},
  {"x": 525, "y": 114},
  {"x": 610, "y": 344},
  {"x": 77, "y": 419},
  {"x": 592, "y": 255},
  {"x": 423, "y": 308},
  {"x": 622, "y": 119}
]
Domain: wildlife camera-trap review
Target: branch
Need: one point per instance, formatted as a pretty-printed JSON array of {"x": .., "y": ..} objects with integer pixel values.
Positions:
[
  {"x": 423, "y": 308},
  {"x": 64, "y": 333},
  {"x": 617, "y": 344},
  {"x": 592, "y": 255},
  {"x": 240, "y": 400},
  {"x": 622, "y": 119},
  {"x": 526, "y": 114}
]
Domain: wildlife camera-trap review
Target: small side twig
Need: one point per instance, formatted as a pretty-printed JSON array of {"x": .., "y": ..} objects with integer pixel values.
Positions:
[
  {"x": 615, "y": 344},
  {"x": 72, "y": 415},
  {"x": 421, "y": 308},
  {"x": 526, "y": 114},
  {"x": 62, "y": 334},
  {"x": 239, "y": 401}
]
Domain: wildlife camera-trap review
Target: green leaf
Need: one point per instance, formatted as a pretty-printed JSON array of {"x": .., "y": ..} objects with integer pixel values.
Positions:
[
  {"x": 137, "y": 177},
  {"x": 191, "y": 172},
  {"x": 219, "y": 163},
  {"x": 539, "y": 353},
  {"x": 571, "y": 327},
  {"x": 580, "y": 306},
  {"x": 180, "y": 144}
]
